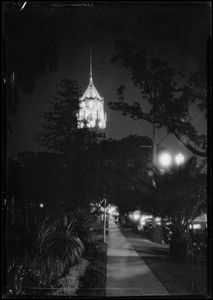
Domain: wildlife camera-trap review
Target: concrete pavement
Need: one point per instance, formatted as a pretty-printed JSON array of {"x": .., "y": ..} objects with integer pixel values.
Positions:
[{"x": 127, "y": 274}]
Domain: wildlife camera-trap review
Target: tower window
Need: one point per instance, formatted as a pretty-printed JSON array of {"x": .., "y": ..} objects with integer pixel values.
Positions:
[{"x": 90, "y": 104}]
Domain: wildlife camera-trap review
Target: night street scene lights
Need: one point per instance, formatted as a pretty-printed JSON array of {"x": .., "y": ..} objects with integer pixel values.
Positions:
[
  {"x": 179, "y": 159},
  {"x": 165, "y": 159}
]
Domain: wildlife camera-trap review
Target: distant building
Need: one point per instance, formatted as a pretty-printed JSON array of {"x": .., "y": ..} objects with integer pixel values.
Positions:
[{"x": 91, "y": 114}]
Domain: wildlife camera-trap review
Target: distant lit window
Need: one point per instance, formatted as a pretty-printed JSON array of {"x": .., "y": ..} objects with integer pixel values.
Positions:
[
  {"x": 196, "y": 226},
  {"x": 90, "y": 104}
]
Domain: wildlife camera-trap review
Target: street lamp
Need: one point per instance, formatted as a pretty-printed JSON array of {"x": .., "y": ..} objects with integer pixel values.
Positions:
[
  {"x": 165, "y": 159},
  {"x": 136, "y": 215},
  {"x": 111, "y": 209},
  {"x": 104, "y": 219},
  {"x": 179, "y": 159}
]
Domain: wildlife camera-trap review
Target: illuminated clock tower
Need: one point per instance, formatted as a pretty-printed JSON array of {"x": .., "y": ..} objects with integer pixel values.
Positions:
[{"x": 91, "y": 113}]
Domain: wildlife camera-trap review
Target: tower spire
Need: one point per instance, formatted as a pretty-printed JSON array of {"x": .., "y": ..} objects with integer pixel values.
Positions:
[{"x": 91, "y": 80}]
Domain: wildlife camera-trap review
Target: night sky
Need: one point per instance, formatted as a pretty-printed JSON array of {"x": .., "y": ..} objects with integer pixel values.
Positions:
[{"x": 75, "y": 28}]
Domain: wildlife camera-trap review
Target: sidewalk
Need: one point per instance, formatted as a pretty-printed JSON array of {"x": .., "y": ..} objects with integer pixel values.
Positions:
[{"x": 127, "y": 274}]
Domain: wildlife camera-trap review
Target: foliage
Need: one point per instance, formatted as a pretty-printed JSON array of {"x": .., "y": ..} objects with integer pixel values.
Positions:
[
  {"x": 94, "y": 281},
  {"x": 121, "y": 169},
  {"x": 58, "y": 264},
  {"x": 40, "y": 253},
  {"x": 32, "y": 276},
  {"x": 182, "y": 192},
  {"x": 83, "y": 228},
  {"x": 60, "y": 122},
  {"x": 31, "y": 48},
  {"x": 61, "y": 135},
  {"x": 59, "y": 240},
  {"x": 22, "y": 226},
  {"x": 156, "y": 234},
  {"x": 112, "y": 168},
  {"x": 160, "y": 86},
  {"x": 181, "y": 196},
  {"x": 36, "y": 178},
  {"x": 60, "y": 125}
]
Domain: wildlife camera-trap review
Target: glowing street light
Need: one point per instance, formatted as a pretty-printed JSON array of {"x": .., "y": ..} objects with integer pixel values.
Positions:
[
  {"x": 136, "y": 215},
  {"x": 179, "y": 159},
  {"x": 112, "y": 210},
  {"x": 165, "y": 159}
]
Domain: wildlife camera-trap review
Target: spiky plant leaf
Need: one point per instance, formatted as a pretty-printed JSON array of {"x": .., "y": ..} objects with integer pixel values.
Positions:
[{"x": 60, "y": 241}]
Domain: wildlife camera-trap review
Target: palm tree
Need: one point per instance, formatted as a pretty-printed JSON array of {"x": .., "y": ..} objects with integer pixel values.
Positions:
[{"x": 180, "y": 195}]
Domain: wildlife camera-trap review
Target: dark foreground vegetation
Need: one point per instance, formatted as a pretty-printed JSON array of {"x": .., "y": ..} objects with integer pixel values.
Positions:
[
  {"x": 50, "y": 256},
  {"x": 94, "y": 281}
]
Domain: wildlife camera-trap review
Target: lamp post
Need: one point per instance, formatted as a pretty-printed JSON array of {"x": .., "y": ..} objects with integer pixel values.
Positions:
[
  {"x": 154, "y": 154},
  {"x": 104, "y": 220},
  {"x": 154, "y": 148}
]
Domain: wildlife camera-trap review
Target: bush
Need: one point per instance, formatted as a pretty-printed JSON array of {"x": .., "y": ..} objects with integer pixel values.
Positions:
[
  {"x": 178, "y": 246},
  {"x": 156, "y": 234},
  {"x": 39, "y": 254},
  {"x": 29, "y": 276},
  {"x": 22, "y": 225},
  {"x": 60, "y": 241},
  {"x": 94, "y": 281},
  {"x": 83, "y": 226}
]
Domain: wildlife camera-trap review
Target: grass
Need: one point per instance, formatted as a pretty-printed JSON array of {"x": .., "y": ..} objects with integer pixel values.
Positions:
[
  {"x": 178, "y": 277},
  {"x": 93, "y": 283}
]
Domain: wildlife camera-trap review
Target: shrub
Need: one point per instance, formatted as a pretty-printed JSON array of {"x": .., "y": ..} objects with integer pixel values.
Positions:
[
  {"x": 23, "y": 275},
  {"x": 60, "y": 241},
  {"x": 156, "y": 234},
  {"x": 41, "y": 254},
  {"x": 178, "y": 246},
  {"x": 94, "y": 281},
  {"x": 22, "y": 229},
  {"x": 83, "y": 227}
]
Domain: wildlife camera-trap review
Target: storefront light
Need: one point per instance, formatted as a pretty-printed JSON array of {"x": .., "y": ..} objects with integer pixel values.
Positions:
[
  {"x": 136, "y": 216},
  {"x": 196, "y": 226}
]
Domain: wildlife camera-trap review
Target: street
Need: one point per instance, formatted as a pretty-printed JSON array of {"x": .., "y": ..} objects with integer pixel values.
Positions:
[{"x": 145, "y": 247}]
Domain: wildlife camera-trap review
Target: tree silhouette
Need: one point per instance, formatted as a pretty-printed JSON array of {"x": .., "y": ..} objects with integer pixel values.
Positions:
[
  {"x": 121, "y": 166},
  {"x": 61, "y": 135},
  {"x": 169, "y": 102},
  {"x": 60, "y": 122},
  {"x": 180, "y": 195},
  {"x": 30, "y": 48}
]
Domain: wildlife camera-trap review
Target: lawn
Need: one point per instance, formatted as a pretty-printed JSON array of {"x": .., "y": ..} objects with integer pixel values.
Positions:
[{"x": 178, "y": 277}]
